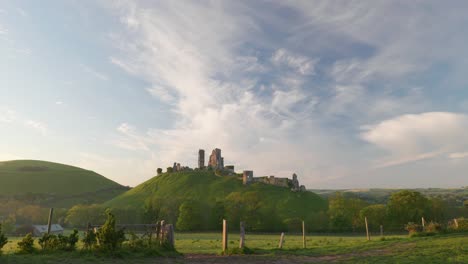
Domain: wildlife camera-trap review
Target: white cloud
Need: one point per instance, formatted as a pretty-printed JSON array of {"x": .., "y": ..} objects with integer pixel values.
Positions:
[
  {"x": 95, "y": 73},
  {"x": 38, "y": 126},
  {"x": 420, "y": 136},
  {"x": 301, "y": 64},
  {"x": 59, "y": 103},
  {"x": 458, "y": 155},
  {"x": 267, "y": 100},
  {"x": 7, "y": 115}
]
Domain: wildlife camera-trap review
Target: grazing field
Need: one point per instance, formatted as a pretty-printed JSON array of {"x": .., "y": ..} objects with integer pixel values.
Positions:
[{"x": 205, "y": 248}]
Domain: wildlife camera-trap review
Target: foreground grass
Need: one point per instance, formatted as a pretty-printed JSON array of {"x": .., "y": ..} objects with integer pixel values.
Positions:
[{"x": 452, "y": 248}]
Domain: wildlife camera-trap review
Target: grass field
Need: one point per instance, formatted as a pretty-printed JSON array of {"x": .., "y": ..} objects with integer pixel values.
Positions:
[{"x": 205, "y": 248}]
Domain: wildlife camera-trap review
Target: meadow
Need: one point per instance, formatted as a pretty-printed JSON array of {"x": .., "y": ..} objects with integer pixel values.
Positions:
[{"x": 206, "y": 248}]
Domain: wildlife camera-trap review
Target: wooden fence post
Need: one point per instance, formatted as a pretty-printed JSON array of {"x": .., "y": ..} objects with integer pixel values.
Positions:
[
  {"x": 367, "y": 229},
  {"x": 423, "y": 222},
  {"x": 242, "y": 235},
  {"x": 303, "y": 235},
  {"x": 381, "y": 230},
  {"x": 170, "y": 235},
  {"x": 281, "y": 240},
  {"x": 456, "y": 223},
  {"x": 225, "y": 236},
  {"x": 49, "y": 223}
]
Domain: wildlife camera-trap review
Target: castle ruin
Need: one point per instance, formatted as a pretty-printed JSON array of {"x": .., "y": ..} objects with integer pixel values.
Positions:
[
  {"x": 216, "y": 161},
  {"x": 201, "y": 159}
]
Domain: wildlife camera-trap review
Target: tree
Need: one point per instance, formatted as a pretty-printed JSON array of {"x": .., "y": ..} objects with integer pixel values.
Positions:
[
  {"x": 190, "y": 216},
  {"x": 376, "y": 215},
  {"x": 159, "y": 171},
  {"x": 407, "y": 206},
  {"x": 345, "y": 212},
  {"x": 169, "y": 169}
]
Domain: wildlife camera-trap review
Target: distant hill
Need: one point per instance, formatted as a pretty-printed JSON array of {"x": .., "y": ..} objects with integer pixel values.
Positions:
[
  {"x": 378, "y": 195},
  {"x": 209, "y": 189},
  {"x": 49, "y": 183}
]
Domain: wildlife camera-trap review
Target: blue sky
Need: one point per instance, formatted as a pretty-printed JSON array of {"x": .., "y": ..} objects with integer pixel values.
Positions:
[{"x": 351, "y": 94}]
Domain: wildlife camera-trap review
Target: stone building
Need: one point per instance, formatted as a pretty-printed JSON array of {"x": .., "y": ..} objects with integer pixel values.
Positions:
[
  {"x": 201, "y": 158},
  {"x": 216, "y": 161},
  {"x": 247, "y": 177}
]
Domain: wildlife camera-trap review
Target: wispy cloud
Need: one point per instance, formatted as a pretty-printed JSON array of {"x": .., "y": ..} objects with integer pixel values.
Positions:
[
  {"x": 37, "y": 125},
  {"x": 7, "y": 115},
  {"x": 95, "y": 73},
  {"x": 304, "y": 86}
]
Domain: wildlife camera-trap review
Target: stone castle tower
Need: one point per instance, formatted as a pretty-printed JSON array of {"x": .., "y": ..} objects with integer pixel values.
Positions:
[
  {"x": 216, "y": 161},
  {"x": 201, "y": 158}
]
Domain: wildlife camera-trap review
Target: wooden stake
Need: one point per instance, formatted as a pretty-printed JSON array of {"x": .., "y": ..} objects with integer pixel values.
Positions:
[
  {"x": 225, "y": 236},
  {"x": 281, "y": 241},
  {"x": 242, "y": 235},
  {"x": 367, "y": 229},
  {"x": 423, "y": 223},
  {"x": 303, "y": 235},
  {"x": 456, "y": 222},
  {"x": 381, "y": 230},
  {"x": 49, "y": 223}
]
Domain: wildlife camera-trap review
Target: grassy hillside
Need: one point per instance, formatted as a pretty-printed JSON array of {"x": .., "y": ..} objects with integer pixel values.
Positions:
[
  {"x": 47, "y": 181},
  {"x": 376, "y": 195},
  {"x": 210, "y": 190}
]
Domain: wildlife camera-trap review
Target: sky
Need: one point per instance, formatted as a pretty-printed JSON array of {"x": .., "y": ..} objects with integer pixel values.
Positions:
[{"x": 347, "y": 94}]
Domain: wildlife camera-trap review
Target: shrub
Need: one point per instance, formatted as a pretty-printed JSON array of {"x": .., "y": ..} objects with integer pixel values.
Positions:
[
  {"x": 48, "y": 242},
  {"x": 89, "y": 240},
  {"x": 109, "y": 238},
  {"x": 413, "y": 228},
  {"x": 433, "y": 227},
  {"x": 3, "y": 239},
  {"x": 26, "y": 245}
]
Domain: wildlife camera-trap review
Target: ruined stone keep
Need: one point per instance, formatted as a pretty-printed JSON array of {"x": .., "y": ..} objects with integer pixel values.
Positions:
[
  {"x": 216, "y": 161},
  {"x": 201, "y": 158}
]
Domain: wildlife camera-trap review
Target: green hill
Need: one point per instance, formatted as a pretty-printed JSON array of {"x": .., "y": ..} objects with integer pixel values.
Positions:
[
  {"x": 265, "y": 206},
  {"x": 48, "y": 183}
]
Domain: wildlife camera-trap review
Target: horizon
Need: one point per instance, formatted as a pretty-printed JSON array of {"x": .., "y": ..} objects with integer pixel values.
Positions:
[{"x": 330, "y": 91}]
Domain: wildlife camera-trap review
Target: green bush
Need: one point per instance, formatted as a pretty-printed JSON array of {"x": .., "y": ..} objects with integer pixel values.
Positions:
[
  {"x": 26, "y": 245},
  {"x": 109, "y": 238},
  {"x": 48, "y": 242},
  {"x": 89, "y": 240},
  {"x": 52, "y": 242},
  {"x": 3, "y": 239}
]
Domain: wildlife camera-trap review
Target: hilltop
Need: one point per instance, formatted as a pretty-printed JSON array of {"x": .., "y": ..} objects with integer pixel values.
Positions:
[
  {"x": 211, "y": 193},
  {"x": 49, "y": 183}
]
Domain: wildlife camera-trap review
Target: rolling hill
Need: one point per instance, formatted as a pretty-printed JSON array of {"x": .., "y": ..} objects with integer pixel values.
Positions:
[
  {"x": 51, "y": 183},
  {"x": 169, "y": 190}
]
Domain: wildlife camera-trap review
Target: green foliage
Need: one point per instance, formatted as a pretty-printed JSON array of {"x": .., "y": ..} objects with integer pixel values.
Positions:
[
  {"x": 81, "y": 215},
  {"x": 109, "y": 238},
  {"x": 89, "y": 240},
  {"x": 170, "y": 170},
  {"x": 413, "y": 228},
  {"x": 190, "y": 216},
  {"x": 407, "y": 206},
  {"x": 433, "y": 227},
  {"x": 159, "y": 171},
  {"x": 345, "y": 212},
  {"x": 49, "y": 242},
  {"x": 26, "y": 245},
  {"x": 376, "y": 215},
  {"x": 3, "y": 239},
  {"x": 8, "y": 225}
]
